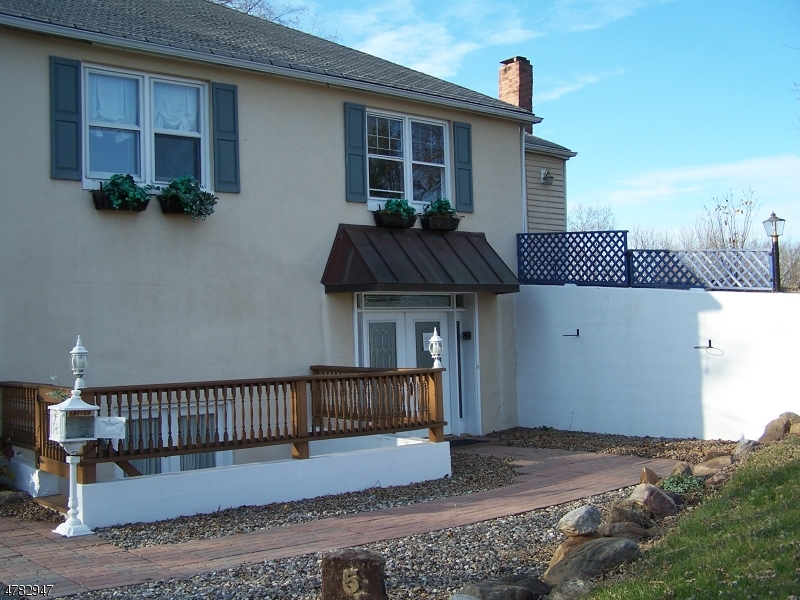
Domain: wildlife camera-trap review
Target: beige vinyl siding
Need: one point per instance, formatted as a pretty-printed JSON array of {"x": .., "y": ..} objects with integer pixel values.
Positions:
[{"x": 546, "y": 203}]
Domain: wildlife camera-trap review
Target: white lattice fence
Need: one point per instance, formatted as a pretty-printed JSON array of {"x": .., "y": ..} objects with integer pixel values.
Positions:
[{"x": 730, "y": 269}]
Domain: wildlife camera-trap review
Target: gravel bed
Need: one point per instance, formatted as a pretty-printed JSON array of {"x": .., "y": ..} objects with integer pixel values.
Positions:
[
  {"x": 690, "y": 450},
  {"x": 471, "y": 473},
  {"x": 28, "y": 509},
  {"x": 431, "y": 566}
]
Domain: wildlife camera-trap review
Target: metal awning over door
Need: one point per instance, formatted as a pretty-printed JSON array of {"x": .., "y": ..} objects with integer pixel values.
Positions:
[{"x": 383, "y": 259}]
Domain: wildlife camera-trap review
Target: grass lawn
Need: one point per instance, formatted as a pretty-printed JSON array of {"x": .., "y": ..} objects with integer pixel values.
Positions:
[{"x": 742, "y": 543}]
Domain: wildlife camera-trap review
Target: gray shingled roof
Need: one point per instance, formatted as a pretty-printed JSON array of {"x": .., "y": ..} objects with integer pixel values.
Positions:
[
  {"x": 537, "y": 144},
  {"x": 201, "y": 30}
]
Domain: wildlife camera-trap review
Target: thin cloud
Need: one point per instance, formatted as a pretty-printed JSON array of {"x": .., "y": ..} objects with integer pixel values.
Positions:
[
  {"x": 585, "y": 15},
  {"x": 774, "y": 177},
  {"x": 434, "y": 44},
  {"x": 579, "y": 82},
  {"x": 410, "y": 45}
]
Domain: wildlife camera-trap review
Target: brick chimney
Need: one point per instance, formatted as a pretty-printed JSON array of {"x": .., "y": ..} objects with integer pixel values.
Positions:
[{"x": 516, "y": 83}]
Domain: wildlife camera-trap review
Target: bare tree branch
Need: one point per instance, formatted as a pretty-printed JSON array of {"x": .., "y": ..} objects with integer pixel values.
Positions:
[
  {"x": 590, "y": 218},
  {"x": 289, "y": 15}
]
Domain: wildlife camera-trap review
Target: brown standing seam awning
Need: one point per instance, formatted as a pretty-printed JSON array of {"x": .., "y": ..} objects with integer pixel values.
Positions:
[{"x": 384, "y": 259}]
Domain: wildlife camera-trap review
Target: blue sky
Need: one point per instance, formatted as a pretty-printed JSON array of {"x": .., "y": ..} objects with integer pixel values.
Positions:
[{"x": 669, "y": 103}]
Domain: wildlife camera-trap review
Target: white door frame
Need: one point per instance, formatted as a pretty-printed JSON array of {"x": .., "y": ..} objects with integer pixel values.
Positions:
[{"x": 461, "y": 388}]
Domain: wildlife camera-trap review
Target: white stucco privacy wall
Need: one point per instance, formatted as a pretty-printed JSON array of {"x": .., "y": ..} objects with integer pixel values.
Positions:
[
  {"x": 634, "y": 368},
  {"x": 335, "y": 467}
]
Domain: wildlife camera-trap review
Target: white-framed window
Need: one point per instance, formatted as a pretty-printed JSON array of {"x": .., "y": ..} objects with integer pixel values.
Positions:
[
  {"x": 408, "y": 157},
  {"x": 153, "y": 127}
]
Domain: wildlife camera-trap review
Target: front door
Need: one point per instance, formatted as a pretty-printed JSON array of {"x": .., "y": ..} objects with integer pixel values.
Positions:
[{"x": 400, "y": 340}]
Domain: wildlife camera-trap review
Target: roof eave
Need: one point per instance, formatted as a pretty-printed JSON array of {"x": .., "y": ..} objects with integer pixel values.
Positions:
[
  {"x": 565, "y": 154},
  {"x": 252, "y": 65}
]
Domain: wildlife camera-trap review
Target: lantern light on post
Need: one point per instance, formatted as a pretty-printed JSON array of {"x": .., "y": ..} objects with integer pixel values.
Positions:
[
  {"x": 435, "y": 348},
  {"x": 74, "y": 422},
  {"x": 774, "y": 228},
  {"x": 79, "y": 361}
]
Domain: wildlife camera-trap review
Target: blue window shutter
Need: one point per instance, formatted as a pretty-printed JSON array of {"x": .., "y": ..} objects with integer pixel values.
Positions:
[
  {"x": 355, "y": 152},
  {"x": 462, "y": 138},
  {"x": 65, "y": 119},
  {"x": 226, "y": 138}
]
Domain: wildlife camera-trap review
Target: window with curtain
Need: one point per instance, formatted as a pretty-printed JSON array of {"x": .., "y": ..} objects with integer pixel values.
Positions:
[
  {"x": 196, "y": 429},
  {"x": 145, "y": 433},
  {"x": 407, "y": 158},
  {"x": 153, "y": 128}
]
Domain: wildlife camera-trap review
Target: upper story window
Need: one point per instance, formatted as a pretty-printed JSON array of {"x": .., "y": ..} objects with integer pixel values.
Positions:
[
  {"x": 152, "y": 127},
  {"x": 407, "y": 158}
]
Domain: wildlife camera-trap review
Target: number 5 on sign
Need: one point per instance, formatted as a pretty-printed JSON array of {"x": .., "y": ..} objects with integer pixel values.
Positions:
[{"x": 350, "y": 581}]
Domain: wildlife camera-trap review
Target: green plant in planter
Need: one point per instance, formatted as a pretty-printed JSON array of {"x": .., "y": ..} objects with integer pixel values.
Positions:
[
  {"x": 123, "y": 192},
  {"x": 192, "y": 198},
  {"x": 399, "y": 206},
  {"x": 441, "y": 206}
]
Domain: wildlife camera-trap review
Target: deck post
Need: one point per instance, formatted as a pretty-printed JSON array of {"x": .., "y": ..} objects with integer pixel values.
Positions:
[
  {"x": 299, "y": 420},
  {"x": 436, "y": 434}
]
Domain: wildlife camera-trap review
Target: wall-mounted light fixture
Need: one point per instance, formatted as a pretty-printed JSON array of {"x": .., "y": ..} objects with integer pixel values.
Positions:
[{"x": 547, "y": 177}]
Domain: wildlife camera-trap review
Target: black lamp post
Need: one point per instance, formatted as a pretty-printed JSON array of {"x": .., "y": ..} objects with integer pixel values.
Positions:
[{"x": 774, "y": 228}]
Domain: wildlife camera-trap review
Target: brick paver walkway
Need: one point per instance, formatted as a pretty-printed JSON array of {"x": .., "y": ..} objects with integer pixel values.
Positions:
[{"x": 31, "y": 554}]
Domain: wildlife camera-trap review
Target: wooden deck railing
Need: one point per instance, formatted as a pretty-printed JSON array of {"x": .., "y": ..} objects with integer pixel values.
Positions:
[
  {"x": 175, "y": 419},
  {"x": 26, "y": 422}
]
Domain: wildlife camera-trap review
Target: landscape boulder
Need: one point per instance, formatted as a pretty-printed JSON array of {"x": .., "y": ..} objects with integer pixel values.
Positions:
[
  {"x": 654, "y": 499},
  {"x": 570, "y": 590},
  {"x": 713, "y": 466},
  {"x": 775, "y": 429},
  {"x": 592, "y": 559},
  {"x": 624, "y": 530},
  {"x": 648, "y": 476},
  {"x": 676, "y": 497},
  {"x": 682, "y": 468},
  {"x": 570, "y": 545},
  {"x": 742, "y": 447},
  {"x": 794, "y": 422},
  {"x": 713, "y": 454},
  {"x": 716, "y": 480},
  {"x": 581, "y": 521},
  {"x": 627, "y": 510},
  {"x": 519, "y": 587}
]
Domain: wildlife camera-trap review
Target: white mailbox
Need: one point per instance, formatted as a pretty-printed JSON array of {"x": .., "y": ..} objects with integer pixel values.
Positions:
[{"x": 73, "y": 420}]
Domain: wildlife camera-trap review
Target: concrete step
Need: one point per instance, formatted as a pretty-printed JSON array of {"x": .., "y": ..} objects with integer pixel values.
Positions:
[{"x": 57, "y": 502}]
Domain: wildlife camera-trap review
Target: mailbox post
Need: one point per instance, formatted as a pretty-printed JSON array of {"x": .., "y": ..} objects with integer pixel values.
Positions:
[{"x": 74, "y": 422}]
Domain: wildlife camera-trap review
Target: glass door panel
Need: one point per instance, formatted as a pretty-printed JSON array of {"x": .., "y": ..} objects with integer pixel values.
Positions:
[
  {"x": 383, "y": 345},
  {"x": 384, "y": 341}
]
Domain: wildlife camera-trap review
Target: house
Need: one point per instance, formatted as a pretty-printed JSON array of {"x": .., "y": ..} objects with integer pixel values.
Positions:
[
  {"x": 300, "y": 138},
  {"x": 545, "y": 161}
]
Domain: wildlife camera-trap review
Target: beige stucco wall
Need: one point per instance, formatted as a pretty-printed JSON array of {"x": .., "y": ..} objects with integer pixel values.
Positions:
[
  {"x": 160, "y": 298},
  {"x": 546, "y": 203}
]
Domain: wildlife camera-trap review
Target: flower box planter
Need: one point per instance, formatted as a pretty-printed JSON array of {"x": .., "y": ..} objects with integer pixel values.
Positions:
[
  {"x": 387, "y": 219},
  {"x": 103, "y": 202},
  {"x": 440, "y": 222},
  {"x": 171, "y": 206}
]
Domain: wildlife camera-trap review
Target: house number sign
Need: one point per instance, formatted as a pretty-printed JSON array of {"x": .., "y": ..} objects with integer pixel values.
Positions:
[{"x": 350, "y": 581}]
